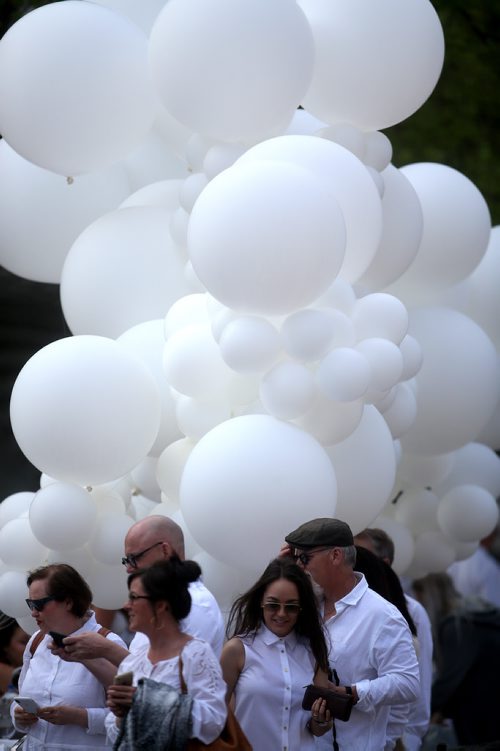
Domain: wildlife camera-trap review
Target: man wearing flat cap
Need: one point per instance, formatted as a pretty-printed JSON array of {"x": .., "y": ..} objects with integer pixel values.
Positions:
[{"x": 371, "y": 648}]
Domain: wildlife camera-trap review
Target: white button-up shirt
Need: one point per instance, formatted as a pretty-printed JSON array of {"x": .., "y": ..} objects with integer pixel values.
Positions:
[
  {"x": 204, "y": 621},
  {"x": 269, "y": 691},
  {"x": 370, "y": 647}
]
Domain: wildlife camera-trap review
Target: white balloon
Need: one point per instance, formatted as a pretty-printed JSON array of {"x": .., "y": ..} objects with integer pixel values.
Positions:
[
  {"x": 127, "y": 263},
  {"x": 195, "y": 418},
  {"x": 467, "y": 513},
  {"x": 146, "y": 341},
  {"x": 221, "y": 157},
  {"x": 339, "y": 296},
  {"x": 108, "y": 585},
  {"x": 482, "y": 301},
  {"x": 106, "y": 543},
  {"x": 249, "y": 344},
  {"x": 14, "y": 506},
  {"x": 28, "y": 624},
  {"x": 330, "y": 422},
  {"x": 417, "y": 510},
  {"x": 365, "y": 468},
  {"x": 287, "y": 390},
  {"x": 433, "y": 552},
  {"x": 412, "y": 357},
  {"x": 229, "y": 494},
  {"x": 369, "y": 68},
  {"x": 456, "y": 227},
  {"x": 58, "y": 212},
  {"x": 162, "y": 194},
  {"x": 421, "y": 471},
  {"x": 377, "y": 151},
  {"x": 473, "y": 464},
  {"x": 346, "y": 135},
  {"x": 84, "y": 410},
  {"x": 309, "y": 334},
  {"x": 386, "y": 362},
  {"x": 13, "y": 593},
  {"x": 62, "y": 516},
  {"x": 349, "y": 180},
  {"x": 225, "y": 582},
  {"x": 236, "y": 78},
  {"x": 344, "y": 374},
  {"x": 190, "y": 309},
  {"x": 79, "y": 558},
  {"x": 20, "y": 548},
  {"x": 87, "y": 97},
  {"x": 153, "y": 159},
  {"x": 170, "y": 467},
  {"x": 380, "y": 314},
  {"x": 457, "y": 387},
  {"x": 402, "y": 412},
  {"x": 190, "y": 189},
  {"x": 266, "y": 237},
  {"x": 144, "y": 477},
  {"x": 193, "y": 364},
  {"x": 143, "y": 14}
]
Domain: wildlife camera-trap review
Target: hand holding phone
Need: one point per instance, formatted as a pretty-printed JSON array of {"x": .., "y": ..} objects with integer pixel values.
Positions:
[
  {"x": 29, "y": 705},
  {"x": 57, "y": 638},
  {"x": 124, "y": 679}
]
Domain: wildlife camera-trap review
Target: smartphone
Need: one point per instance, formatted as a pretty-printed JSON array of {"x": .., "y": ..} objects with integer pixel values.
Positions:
[
  {"x": 29, "y": 705},
  {"x": 124, "y": 679},
  {"x": 57, "y": 638}
]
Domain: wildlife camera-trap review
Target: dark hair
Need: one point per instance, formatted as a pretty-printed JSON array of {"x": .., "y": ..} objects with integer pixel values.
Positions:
[
  {"x": 382, "y": 543},
  {"x": 383, "y": 580},
  {"x": 169, "y": 580},
  {"x": 8, "y": 627},
  {"x": 245, "y": 616},
  {"x": 64, "y": 583}
]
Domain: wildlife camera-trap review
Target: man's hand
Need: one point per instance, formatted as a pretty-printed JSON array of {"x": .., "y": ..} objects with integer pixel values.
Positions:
[
  {"x": 86, "y": 646},
  {"x": 63, "y": 714},
  {"x": 24, "y": 718}
]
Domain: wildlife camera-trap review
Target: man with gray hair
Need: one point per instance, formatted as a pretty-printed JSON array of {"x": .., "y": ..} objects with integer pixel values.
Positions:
[{"x": 371, "y": 649}]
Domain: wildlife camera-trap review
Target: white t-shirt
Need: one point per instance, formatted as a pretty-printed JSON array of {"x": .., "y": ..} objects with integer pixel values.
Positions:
[
  {"x": 203, "y": 678},
  {"x": 269, "y": 691},
  {"x": 49, "y": 680},
  {"x": 204, "y": 620},
  {"x": 477, "y": 576},
  {"x": 371, "y": 647}
]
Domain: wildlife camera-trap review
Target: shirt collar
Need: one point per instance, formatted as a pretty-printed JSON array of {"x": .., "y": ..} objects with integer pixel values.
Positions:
[
  {"x": 269, "y": 638},
  {"x": 355, "y": 595}
]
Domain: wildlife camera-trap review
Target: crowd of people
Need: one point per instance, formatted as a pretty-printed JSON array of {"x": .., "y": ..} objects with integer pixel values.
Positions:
[{"x": 329, "y": 612}]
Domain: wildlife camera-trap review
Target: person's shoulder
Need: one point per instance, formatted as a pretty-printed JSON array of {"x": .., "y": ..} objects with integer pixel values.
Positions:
[
  {"x": 201, "y": 595},
  {"x": 378, "y": 607}
]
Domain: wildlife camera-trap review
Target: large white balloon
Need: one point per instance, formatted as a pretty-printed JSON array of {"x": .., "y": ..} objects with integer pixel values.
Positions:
[
  {"x": 128, "y": 265},
  {"x": 370, "y": 69},
  {"x": 250, "y": 481},
  {"x": 85, "y": 411},
  {"x": 42, "y": 214},
  {"x": 146, "y": 341},
  {"x": 231, "y": 69},
  {"x": 457, "y": 387},
  {"x": 473, "y": 464},
  {"x": 13, "y": 592},
  {"x": 20, "y": 548},
  {"x": 482, "y": 302},
  {"x": 467, "y": 513},
  {"x": 456, "y": 228},
  {"x": 62, "y": 516},
  {"x": 365, "y": 467},
  {"x": 74, "y": 86},
  {"x": 266, "y": 237},
  {"x": 106, "y": 543},
  {"x": 170, "y": 467},
  {"x": 352, "y": 186}
]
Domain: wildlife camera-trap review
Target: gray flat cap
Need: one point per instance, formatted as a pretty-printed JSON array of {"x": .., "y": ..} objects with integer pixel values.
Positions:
[{"x": 318, "y": 532}]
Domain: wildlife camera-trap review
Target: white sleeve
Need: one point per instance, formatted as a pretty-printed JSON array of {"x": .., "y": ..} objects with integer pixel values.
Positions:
[{"x": 203, "y": 677}]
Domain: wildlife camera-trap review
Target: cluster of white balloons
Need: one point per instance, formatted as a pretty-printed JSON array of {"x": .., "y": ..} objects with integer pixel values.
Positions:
[{"x": 271, "y": 321}]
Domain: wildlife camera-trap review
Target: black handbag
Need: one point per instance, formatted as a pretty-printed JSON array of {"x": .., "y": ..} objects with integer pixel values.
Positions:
[{"x": 340, "y": 705}]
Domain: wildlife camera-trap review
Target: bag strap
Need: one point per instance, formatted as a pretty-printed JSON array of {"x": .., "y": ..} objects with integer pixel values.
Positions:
[{"x": 40, "y": 636}]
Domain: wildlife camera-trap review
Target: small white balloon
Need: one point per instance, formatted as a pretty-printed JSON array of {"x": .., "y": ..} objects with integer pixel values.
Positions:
[
  {"x": 402, "y": 412},
  {"x": 249, "y": 344},
  {"x": 344, "y": 374},
  {"x": 170, "y": 467},
  {"x": 377, "y": 151},
  {"x": 190, "y": 190},
  {"x": 412, "y": 357},
  {"x": 467, "y": 513},
  {"x": 144, "y": 478},
  {"x": 187, "y": 310},
  {"x": 106, "y": 543},
  {"x": 19, "y": 546},
  {"x": 287, "y": 390},
  {"x": 15, "y": 505},
  {"x": 108, "y": 585},
  {"x": 62, "y": 516},
  {"x": 433, "y": 552},
  {"x": 13, "y": 593},
  {"x": 330, "y": 422},
  {"x": 385, "y": 359},
  {"x": 382, "y": 315},
  {"x": 308, "y": 335},
  {"x": 417, "y": 510},
  {"x": 195, "y": 418}
]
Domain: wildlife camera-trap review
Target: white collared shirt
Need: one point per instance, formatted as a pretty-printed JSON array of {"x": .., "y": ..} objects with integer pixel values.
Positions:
[
  {"x": 49, "y": 680},
  {"x": 269, "y": 691},
  {"x": 204, "y": 621},
  {"x": 370, "y": 647}
]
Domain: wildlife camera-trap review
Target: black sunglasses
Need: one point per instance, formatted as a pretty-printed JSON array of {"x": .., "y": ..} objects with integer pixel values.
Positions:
[
  {"x": 132, "y": 558},
  {"x": 290, "y": 608},
  {"x": 305, "y": 558},
  {"x": 39, "y": 604}
]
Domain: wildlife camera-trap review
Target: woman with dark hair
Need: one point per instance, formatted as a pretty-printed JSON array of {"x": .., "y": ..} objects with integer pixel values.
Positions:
[
  {"x": 71, "y": 700},
  {"x": 277, "y": 647},
  {"x": 177, "y": 688},
  {"x": 13, "y": 642}
]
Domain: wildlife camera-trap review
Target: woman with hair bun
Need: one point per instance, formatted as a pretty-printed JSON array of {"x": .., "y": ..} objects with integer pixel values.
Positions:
[{"x": 177, "y": 689}]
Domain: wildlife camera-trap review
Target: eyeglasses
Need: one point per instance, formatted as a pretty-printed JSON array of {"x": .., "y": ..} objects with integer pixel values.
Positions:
[
  {"x": 39, "y": 604},
  {"x": 305, "y": 558},
  {"x": 132, "y": 558},
  {"x": 132, "y": 597},
  {"x": 290, "y": 608}
]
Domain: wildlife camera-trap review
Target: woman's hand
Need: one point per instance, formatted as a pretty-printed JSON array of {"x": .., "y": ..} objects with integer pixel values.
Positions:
[
  {"x": 24, "y": 718},
  {"x": 64, "y": 714},
  {"x": 321, "y": 719},
  {"x": 120, "y": 699}
]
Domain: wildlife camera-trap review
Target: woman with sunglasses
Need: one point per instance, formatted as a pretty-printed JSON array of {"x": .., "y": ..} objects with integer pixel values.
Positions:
[
  {"x": 277, "y": 647},
  {"x": 71, "y": 700},
  {"x": 158, "y": 600}
]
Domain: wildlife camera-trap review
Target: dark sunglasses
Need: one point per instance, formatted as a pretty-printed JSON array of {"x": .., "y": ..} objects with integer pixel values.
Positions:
[
  {"x": 305, "y": 558},
  {"x": 132, "y": 558},
  {"x": 290, "y": 608},
  {"x": 39, "y": 604},
  {"x": 132, "y": 597}
]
